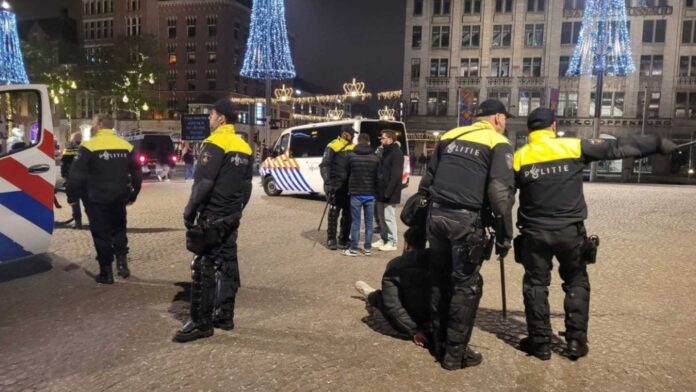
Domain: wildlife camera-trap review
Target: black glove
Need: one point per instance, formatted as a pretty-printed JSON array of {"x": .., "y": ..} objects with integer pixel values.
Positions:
[
  {"x": 330, "y": 190},
  {"x": 502, "y": 249},
  {"x": 667, "y": 146},
  {"x": 189, "y": 216}
]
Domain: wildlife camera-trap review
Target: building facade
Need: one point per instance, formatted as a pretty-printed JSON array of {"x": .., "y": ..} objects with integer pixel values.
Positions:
[{"x": 518, "y": 51}]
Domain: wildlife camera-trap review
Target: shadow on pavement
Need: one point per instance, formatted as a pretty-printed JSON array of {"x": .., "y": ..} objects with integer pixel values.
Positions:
[
  {"x": 179, "y": 309},
  {"x": 318, "y": 237},
  {"x": 25, "y": 267},
  {"x": 510, "y": 330},
  {"x": 151, "y": 230},
  {"x": 377, "y": 322}
]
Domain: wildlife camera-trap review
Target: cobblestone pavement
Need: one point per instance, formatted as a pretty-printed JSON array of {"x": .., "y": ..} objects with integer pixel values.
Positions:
[{"x": 300, "y": 326}]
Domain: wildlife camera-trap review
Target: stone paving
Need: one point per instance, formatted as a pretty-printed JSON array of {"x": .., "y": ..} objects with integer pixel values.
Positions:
[{"x": 301, "y": 326}]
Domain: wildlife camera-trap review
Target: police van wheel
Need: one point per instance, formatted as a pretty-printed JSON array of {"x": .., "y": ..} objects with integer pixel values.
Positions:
[{"x": 270, "y": 187}]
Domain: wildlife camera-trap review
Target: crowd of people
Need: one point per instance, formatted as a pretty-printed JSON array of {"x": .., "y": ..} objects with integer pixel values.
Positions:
[{"x": 432, "y": 291}]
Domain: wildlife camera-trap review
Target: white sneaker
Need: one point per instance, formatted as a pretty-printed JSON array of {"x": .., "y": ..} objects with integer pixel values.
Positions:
[
  {"x": 349, "y": 252},
  {"x": 378, "y": 243},
  {"x": 388, "y": 248},
  {"x": 363, "y": 288},
  {"x": 159, "y": 178}
]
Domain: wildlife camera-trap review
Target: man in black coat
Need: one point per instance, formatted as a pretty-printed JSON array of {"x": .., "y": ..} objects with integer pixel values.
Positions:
[{"x": 389, "y": 194}]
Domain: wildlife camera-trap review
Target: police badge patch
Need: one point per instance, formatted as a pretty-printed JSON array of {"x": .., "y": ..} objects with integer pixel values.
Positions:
[
  {"x": 509, "y": 160},
  {"x": 205, "y": 157}
]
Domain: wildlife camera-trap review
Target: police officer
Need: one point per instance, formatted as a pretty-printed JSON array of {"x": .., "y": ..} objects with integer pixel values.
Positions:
[
  {"x": 549, "y": 174},
  {"x": 221, "y": 189},
  {"x": 106, "y": 177},
  {"x": 333, "y": 168},
  {"x": 470, "y": 169},
  {"x": 69, "y": 154}
]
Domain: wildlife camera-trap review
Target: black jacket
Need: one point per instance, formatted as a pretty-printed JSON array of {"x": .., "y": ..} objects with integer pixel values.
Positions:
[
  {"x": 390, "y": 172},
  {"x": 67, "y": 159},
  {"x": 405, "y": 291},
  {"x": 222, "y": 179},
  {"x": 549, "y": 174},
  {"x": 333, "y": 166},
  {"x": 473, "y": 171},
  {"x": 362, "y": 171},
  {"x": 104, "y": 171}
]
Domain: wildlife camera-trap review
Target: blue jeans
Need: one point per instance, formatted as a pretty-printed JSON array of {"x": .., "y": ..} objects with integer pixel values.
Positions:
[
  {"x": 369, "y": 209},
  {"x": 188, "y": 171}
]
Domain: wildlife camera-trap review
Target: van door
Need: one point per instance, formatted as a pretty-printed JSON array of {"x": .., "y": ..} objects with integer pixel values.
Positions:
[
  {"x": 306, "y": 152},
  {"x": 27, "y": 171}
]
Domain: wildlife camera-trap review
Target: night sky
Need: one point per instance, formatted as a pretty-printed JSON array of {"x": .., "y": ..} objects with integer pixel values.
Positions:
[{"x": 334, "y": 40}]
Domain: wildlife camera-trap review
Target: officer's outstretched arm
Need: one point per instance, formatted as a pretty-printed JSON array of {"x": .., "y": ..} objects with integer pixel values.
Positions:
[
  {"x": 78, "y": 173},
  {"x": 427, "y": 180},
  {"x": 207, "y": 170},
  {"x": 501, "y": 189},
  {"x": 623, "y": 147}
]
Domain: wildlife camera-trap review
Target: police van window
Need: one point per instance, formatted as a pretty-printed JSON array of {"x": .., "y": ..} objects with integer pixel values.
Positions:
[
  {"x": 307, "y": 143},
  {"x": 20, "y": 120},
  {"x": 374, "y": 129},
  {"x": 282, "y": 145}
]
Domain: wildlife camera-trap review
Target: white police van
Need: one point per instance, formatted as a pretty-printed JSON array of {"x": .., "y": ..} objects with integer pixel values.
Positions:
[
  {"x": 294, "y": 163},
  {"x": 27, "y": 171}
]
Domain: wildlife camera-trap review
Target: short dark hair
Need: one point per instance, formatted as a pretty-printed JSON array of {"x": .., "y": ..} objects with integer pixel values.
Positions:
[
  {"x": 364, "y": 138},
  {"x": 390, "y": 134}
]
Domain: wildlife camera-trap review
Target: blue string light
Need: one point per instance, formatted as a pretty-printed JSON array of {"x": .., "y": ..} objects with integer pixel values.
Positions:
[
  {"x": 604, "y": 44},
  {"x": 268, "y": 50},
  {"x": 11, "y": 63}
]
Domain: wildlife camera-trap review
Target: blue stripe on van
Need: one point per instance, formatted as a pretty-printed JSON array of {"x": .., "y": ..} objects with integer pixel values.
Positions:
[
  {"x": 296, "y": 175},
  {"x": 10, "y": 250},
  {"x": 289, "y": 173},
  {"x": 279, "y": 179},
  {"x": 309, "y": 188},
  {"x": 28, "y": 208}
]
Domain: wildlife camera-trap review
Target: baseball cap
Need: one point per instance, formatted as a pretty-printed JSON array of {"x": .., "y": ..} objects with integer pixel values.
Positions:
[
  {"x": 540, "y": 118},
  {"x": 490, "y": 107},
  {"x": 225, "y": 107}
]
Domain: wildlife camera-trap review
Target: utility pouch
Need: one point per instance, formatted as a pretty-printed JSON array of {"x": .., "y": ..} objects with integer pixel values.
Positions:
[
  {"x": 195, "y": 240},
  {"x": 488, "y": 247},
  {"x": 517, "y": 248},
  {"x": 589, "y": 254},
  {"x": 477, "y": 242}
]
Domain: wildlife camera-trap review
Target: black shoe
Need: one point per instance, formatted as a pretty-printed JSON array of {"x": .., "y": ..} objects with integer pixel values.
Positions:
[
  {"x": 225, "y": 324},
  {"x": 331, "y": 244},
  {"x": 78, "y": 223},
  {"x": 539, "y": 350},
  {"x": 192, "y": 331},
  {"x": 342, "y": 245},
  {"x": 454, "y": 360},
  {"x": 576, "y": 349},
  {"x": 122, "y": 266},
  {"x": 105, "y": 277}
]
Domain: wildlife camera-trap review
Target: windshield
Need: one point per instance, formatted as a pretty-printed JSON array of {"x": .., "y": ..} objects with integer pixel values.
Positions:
[{"x": 312, "y": 142}]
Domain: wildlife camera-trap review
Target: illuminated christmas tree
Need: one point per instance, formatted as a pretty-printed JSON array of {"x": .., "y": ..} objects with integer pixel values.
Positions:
[
  {"x": 268, "y": 50},
  {"x": 11, "y": 63}
]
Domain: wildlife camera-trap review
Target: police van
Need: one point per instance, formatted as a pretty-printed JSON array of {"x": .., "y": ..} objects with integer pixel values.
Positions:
[
  {"x": 27, "y": 171},
  {"x": 294, "y": 162}
]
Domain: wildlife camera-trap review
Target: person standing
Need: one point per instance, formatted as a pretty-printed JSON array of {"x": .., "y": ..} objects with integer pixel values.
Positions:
[
  {"x": 362, "y": 172},
  {"x": 188, "y": 164},
  {"x": 105, "y": 175},
  {"x": 69, "y": 154},
  {"x": 220, "y": 192},
  {"x": 389, "y": 195},
  {"x": 333, "y": 172},
  {"x": 470, "y": 171},
  {"x": 549, "y": 174}
]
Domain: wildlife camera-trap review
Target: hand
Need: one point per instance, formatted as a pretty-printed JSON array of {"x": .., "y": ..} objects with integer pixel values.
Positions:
[
  {"x": 667, "y": 146},
  {"x": 385, "y": 200},
  {"x": 502, "y": 249},
  {"x": 189, "y": 224},
  {"x": 420, "y": 340},
  {"x": 189, "y": 217}
]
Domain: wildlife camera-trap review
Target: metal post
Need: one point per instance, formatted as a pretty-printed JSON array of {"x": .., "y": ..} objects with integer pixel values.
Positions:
[
  {"x": 598, "y": 113},
  {"x": 267, "y": 135},
  {"x": 642, "y": 128}
]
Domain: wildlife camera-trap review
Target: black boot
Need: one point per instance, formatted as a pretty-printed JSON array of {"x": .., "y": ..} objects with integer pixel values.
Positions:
[
  {"x": 224, "y": 322},
  {"x": 539, "y": 350},
  {"x": 577, "y": 349},
  {"x": 192, "y": 331},
  {"x": 331, "y": 244},
  {"x": 459, "y": 357},
  {"x": 122, "y": 266},
  {"x": 106, "y": 274},
  {"x": 343, "y": 244},
  {"x": 78, "y": 223}
]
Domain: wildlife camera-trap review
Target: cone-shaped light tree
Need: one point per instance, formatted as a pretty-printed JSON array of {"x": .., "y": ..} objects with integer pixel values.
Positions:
[{"x": 11, "y": 62}]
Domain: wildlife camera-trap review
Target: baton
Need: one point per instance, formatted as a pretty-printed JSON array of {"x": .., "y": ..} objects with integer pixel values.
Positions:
[
  {"x": 328, "y": 200},
  {"x": 686, "y": 144},
  {"x": 502, "y": 285}
]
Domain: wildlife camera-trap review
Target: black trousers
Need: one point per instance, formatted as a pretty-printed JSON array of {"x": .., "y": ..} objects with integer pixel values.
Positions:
[
  {"x": 107, "y": 222},
  {"x": 339, "y": 207},
  {"x": 538, "y": 249},
  {"x": 215, "y": 279},
  {"x": 454, "y": 279}
]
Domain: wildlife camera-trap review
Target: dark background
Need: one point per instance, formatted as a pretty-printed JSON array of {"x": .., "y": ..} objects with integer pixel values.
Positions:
[{"x": 334, "y": 40}]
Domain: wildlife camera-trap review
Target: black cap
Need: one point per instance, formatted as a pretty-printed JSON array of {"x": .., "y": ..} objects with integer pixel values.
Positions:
[
  {"x": 347, "y": 128},
  {"x": 225, "y": 107},
  {"x": 540, "y": 118},
  {"x": 490, "y": 107}
]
